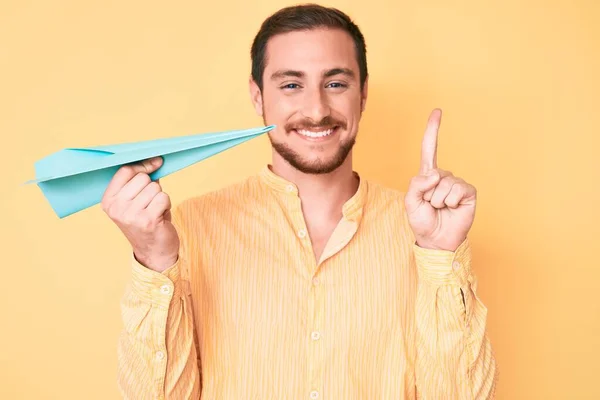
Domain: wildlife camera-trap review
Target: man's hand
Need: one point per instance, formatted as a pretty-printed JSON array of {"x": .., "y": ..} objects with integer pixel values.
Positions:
[
  {"x": 141, "y": 210},
  {"x": 440, "y": 206}
]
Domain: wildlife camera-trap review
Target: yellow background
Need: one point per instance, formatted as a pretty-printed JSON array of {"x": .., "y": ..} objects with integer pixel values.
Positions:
[{"x": 517, "y": 81}]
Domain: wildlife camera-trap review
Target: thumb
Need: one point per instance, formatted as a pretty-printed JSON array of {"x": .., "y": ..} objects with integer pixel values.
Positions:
[
  {"x": 152, "y": 164},
  {"x": 147, "y": 165},
  {"x": 419, "y": 185}
]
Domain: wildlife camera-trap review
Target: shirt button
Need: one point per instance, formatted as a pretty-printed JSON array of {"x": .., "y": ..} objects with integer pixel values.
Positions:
[
  {"x": 315, "y": 335},
  {"x": 314, "y": 394},
  {"x": 302, "y": 233},
  {"x": 456, "y": 265},
  {"x": 160, "y": 355},
  {"x": 289, "y": 188},
  {"x": 315, "y": 281},
  {"x": 165, "y": 289}
]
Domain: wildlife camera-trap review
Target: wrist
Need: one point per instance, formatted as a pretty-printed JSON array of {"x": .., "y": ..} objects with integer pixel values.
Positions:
[
  {"x": 424, "y": 244},
  {"x": 156, "y": 263}
]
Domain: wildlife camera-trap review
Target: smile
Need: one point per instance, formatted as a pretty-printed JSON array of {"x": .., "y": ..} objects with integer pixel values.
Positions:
[{"x": 315, "y": 134}]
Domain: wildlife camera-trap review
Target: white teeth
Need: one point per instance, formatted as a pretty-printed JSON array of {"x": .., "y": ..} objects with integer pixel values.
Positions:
[{"x": 315, "y": 134}]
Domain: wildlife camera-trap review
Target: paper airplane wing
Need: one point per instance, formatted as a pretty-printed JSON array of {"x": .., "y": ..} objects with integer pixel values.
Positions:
[{"x": 76, "y": 178}]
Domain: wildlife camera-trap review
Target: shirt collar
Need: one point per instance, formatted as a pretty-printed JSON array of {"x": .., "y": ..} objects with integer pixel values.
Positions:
[{"x": 352, "y": 209}]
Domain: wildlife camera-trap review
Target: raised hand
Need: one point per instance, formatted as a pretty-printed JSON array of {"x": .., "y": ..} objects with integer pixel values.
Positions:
[
  {"x": 141, "y": 210},
  {"x": 440, "y": 206}
]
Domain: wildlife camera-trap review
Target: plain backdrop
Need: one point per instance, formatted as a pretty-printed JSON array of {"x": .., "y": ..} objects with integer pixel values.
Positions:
[{"x": 518, "y": 84}]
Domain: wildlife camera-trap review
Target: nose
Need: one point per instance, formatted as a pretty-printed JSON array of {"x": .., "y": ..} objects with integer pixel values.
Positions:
[{"x": 316, "y": 105}]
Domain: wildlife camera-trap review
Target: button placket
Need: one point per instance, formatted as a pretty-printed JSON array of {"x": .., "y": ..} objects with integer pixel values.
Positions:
[
  {"x": 315, "y": 337},
  {"x": 297, "y": 217},
  {"x": 165, "y": 289},
  {"x": 456, "y": 265}
]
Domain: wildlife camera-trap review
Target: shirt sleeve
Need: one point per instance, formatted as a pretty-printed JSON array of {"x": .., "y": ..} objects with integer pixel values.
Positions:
[
  {"x": 157, "y": 348},
  {"x": 454, "y": 358}
]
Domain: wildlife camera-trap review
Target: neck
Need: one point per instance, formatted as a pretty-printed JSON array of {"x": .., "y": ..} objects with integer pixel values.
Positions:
[{"x": 322, "y": 195}]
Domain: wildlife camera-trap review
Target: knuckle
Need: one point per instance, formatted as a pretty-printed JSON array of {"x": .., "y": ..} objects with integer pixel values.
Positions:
[
  {"x": 105, "y": 205},
  {"x": 112, "y": 211},
  {"x": 154, "y": 186},
  {"x": 129, "y": 219},
  {"x": 448, "y": 182},
  {"x": 146, "y": 165},
  {"x": 143, "y": 177},
  {"x": 434, "y": 173},
  {"x": 127, "y": 169},
  {"x": 146, "y": 223},
  {"x": 164, "y": 197}
]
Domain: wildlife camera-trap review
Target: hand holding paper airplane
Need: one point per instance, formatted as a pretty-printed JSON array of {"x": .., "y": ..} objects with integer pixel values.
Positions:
[
  {"x": 142, "y": 211},
  {"x": 74, "y": 179}
]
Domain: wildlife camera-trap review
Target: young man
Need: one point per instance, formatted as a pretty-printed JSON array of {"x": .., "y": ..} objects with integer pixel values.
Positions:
[{"x": 304, "y": 281}]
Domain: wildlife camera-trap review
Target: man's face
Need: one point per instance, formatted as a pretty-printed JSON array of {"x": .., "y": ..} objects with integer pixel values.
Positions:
[{"x": 311, "y": 91}]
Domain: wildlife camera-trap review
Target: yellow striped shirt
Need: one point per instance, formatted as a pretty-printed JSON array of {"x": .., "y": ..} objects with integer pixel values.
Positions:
[{"x": 248, "y": 313}]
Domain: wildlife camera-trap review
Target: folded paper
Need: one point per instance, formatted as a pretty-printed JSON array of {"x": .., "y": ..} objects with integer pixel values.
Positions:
[{"x": 74, "y": 179}]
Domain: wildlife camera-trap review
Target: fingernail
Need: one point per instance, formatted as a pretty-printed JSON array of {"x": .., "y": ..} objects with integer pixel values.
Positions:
[{"x": 155, "y": 161}]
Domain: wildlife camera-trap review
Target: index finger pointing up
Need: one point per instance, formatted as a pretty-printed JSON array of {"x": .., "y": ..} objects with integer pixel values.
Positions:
[{"x": 430, "y": 138}]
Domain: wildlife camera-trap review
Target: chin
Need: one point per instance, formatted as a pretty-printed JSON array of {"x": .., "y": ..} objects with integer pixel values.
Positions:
[{"x": 317, "y": 165}]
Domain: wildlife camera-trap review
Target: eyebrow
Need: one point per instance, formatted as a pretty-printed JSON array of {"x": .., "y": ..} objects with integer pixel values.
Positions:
[
  {"x": 299, "y": 74},
  {"x": 339, "y": 71}
]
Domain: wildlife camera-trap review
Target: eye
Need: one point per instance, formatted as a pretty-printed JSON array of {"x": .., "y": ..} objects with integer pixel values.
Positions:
[
  {"x": 290, "y": 86},
  {"x": 337, "y": 85}
]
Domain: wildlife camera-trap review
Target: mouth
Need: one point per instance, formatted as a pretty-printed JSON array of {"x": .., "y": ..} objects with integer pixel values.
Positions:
[{"x": 316, "y": 134}]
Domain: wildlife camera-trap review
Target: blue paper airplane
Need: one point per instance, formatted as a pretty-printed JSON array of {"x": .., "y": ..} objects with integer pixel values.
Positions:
[{"x": 74, "y": 179}]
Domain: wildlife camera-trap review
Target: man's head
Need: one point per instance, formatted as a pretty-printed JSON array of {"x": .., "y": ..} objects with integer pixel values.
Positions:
[{"x": 310, "y": 78}]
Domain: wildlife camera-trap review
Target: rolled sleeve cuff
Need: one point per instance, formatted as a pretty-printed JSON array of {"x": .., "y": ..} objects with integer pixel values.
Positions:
[
  {"x": 155, "y": 287},
  {"x": 443, "y": 267}
]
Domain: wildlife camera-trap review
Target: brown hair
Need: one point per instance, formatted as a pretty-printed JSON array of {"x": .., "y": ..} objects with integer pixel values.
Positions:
[{"x": 305, "y": 17}]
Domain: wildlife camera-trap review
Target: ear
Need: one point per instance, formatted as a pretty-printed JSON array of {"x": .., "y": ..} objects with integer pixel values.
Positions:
[
  {"x": 364, "y": 93},
  {"x": 256, "y": 96}
]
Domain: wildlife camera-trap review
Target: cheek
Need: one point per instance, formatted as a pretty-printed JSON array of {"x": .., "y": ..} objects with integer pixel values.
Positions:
[
  {"x": 285, "y": 105},
  {"x": 346, "y": 108},
  {"x": 280, "y": 112}
]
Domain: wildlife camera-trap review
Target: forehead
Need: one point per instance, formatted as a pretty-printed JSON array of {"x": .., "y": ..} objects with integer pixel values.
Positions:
[{"x": 312, "y": 50}]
